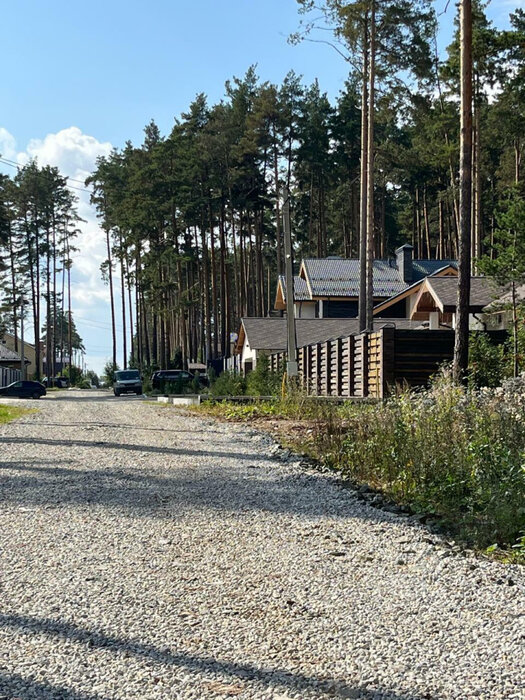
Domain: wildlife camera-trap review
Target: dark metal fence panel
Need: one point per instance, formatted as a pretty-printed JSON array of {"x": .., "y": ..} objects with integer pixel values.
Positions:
[{"x": 9, "y": 375}]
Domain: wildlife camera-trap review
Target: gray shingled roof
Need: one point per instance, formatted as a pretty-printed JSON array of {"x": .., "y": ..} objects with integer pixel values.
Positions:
[
  {"x": 413, "y": 285},
  {"x": 300, "y": 287},
  {"x": 506, "y": 298},
  {"x": 7, "y": 355},
  {"x": 482, "y": 292},
  {"x": 426, "y": 268},
  {"x": 339, "y": 277},
  {"x": 270, "y": 333}
]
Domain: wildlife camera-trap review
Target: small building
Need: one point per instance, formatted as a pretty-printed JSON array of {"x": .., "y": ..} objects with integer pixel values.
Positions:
[
  {"x": 329, "y": 287},
  {"x": 269, "y": 335},
  {"x": 402, "y": 303},
  {"x": 304, "y": 305},
  {"x": 10, "y": 365},
  {"x": 436, "y": 301},
  {"x": 9, "y": 341},
  {"x": 498, "y": 314}
]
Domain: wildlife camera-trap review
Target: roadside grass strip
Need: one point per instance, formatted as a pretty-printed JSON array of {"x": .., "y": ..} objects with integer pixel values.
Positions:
[{"x": 10, "y": 413}]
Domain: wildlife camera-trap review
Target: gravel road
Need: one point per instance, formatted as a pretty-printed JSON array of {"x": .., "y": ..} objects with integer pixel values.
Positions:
[{"x": 146, "y": 554}]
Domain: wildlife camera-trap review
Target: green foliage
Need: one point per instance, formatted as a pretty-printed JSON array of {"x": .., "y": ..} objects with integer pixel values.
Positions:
[
  {"x": 177, "y": 386},
  {"x": 448, "y": 452},
  {"x": 229, "y": 384},
  {"x": 262, "y": 381},
  {"x": 108, "y": 373},
  {"x": 92, "y": 377},
  {"x": 74, "y": 374},
  {"x": 146, "y": 384},
  {"x": 176, "y": 361},
  {"x": 487, "y": 362},
  {"x": 84, "y": 384}
]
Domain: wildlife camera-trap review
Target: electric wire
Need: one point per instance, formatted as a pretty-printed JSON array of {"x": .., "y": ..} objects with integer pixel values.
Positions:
[{"x": 40, "y": 172}]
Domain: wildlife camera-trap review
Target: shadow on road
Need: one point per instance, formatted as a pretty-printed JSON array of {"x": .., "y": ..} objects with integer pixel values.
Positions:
[
  {"x": 271, "y": 677},
  {"x": 150, "y": 494},
  {"x": 16, "y": 687},
  {"x": 131, "y": 447}
]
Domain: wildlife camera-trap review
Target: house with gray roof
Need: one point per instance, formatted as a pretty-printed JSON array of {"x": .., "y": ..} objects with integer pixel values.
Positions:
[
  {"x": 269, "y": 335},
  {"x": 329, "y": 287}
]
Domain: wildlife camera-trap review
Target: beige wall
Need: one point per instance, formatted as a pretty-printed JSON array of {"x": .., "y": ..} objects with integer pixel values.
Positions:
[{"x": 29, "y": 352}]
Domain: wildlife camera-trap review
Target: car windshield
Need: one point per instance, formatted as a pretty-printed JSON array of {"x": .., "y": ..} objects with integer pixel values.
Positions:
[{"x": 123, "y": 376}]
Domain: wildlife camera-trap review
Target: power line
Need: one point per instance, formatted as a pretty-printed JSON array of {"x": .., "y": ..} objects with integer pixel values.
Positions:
[{"x": 40, "y": 172}]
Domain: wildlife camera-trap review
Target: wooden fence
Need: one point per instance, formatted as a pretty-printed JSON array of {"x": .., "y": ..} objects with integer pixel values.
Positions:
[{"x": 371, "y": 364}]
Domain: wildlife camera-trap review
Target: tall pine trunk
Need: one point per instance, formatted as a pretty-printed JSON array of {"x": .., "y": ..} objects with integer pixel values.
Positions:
[
  {"x": 465, "y": 194},
  {"x": 370, "y": 218}
]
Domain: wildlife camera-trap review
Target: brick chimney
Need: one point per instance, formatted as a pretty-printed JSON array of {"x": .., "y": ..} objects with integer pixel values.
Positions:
[{"x": 404, "y": 256}]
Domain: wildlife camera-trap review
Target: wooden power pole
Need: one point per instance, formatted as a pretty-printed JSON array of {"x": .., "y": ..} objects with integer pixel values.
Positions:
[
  {"x": 465, "y": 193},
  {"x": 291, "y": 365}
]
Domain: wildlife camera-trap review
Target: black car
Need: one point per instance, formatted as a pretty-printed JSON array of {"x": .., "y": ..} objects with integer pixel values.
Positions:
[
  {"x": 175, "y": 376},
  {"x": 24, "y": 390}
]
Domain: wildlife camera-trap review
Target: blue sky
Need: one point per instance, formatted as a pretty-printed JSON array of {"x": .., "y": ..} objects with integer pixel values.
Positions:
[{"x": 83, "y": 77}]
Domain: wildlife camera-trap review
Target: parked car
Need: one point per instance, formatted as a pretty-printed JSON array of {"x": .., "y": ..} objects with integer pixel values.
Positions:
[
  {"x": 127, "y": 381},
  {"x": 60, "y": 382},
  {"x": 162, "y": 377},
  {"x": 24, "y": 390}
]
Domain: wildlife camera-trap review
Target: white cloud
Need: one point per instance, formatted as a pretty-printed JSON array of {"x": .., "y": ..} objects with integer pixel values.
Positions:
[
  {"x": 74, "y": 154},
  {"x": 70, "y": 150},
  {"x": 7, "y": 144}
]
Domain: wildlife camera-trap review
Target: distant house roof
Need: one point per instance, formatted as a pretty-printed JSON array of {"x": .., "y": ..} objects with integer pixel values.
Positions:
[
  {"x": 10, "y": 335},
  {"x": 301, "y": 292},
  {"x": 505, "y": 298},
  {"x": 8, "y": 356},
  {"x": 339, "y": 277},
  {"x": 449, "y": 270},
  {"x": 441, "y": 292},
  {"x": 270, "y": 333}
]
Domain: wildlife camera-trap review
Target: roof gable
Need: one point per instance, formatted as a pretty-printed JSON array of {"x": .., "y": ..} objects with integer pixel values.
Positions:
[
  {"x": 449, "y": 270},
  {"x": 301, "y": 291},
  {"x": 443, "y": 293}
]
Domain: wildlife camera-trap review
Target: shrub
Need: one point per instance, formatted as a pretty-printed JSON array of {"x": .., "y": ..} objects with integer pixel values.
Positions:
[
  {"x": 177, "y": 386},
  {"x": 486, "y": 361},
  {"x": 228, "y": 384},
  {"x": 447, "y": 451},
  {"x": 262, "y": 381},
  {"x": 108, "y": 373},
  {"x": 84, "y": 384}
]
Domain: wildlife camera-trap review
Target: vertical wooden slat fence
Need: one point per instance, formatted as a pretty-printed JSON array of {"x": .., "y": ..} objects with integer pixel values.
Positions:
[{"x": 370, "y": 364}]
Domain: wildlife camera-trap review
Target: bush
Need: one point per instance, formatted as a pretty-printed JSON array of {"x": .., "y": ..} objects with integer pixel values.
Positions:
[
  {"x": 228, "y": 384},
  {"x": 84, "y": 384},
  {"x": 486, "y": 361},
  {"x": 177, "y": 386},
  {"x": 262, "y": 381},
  {"x": 108, "y": 373},
  {"x": 447, "y": 451}
]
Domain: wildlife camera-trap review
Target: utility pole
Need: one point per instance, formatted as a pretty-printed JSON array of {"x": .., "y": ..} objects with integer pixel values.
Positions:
[
  {"x": 291, "y": 365},
  {"x": 22, "y": 346}
]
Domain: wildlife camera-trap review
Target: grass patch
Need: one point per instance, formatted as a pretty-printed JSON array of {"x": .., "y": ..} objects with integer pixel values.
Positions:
[{"x": 10, "y": 413}]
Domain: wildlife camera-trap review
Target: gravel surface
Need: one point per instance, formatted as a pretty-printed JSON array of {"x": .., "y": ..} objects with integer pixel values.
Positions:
[{"x": 147, "y": 554}]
